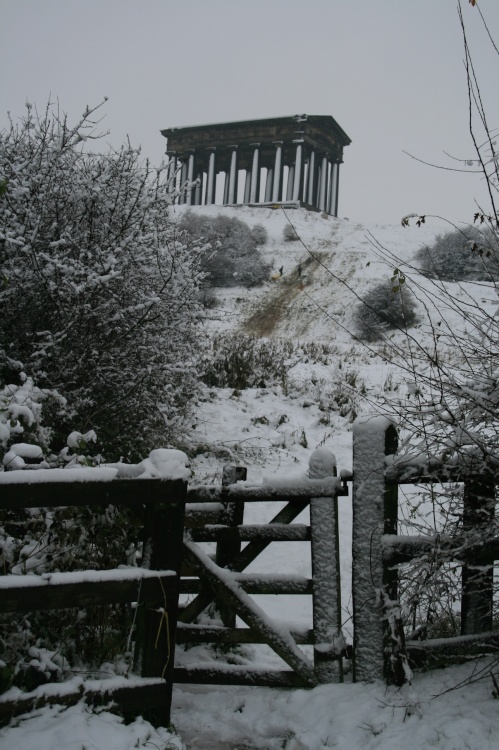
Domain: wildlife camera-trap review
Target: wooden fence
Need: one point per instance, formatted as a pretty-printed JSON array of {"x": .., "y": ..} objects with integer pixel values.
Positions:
[
  {"x": 154, "y": 587},
  {"x": 380, "y": 650}
]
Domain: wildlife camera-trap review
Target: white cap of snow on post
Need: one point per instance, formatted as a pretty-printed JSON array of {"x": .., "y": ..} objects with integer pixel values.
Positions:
[{"x": 322, "y": 464}]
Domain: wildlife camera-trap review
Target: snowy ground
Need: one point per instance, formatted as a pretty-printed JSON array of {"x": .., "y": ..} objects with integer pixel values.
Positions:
[{"x": 273, "y": 431}]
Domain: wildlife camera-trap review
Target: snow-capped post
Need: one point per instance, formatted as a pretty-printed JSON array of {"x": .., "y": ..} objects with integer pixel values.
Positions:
[
  {"x": 328, "y": 638},
  {"x": 478, "y": 576},
  {"x": 227, "y": 551},
  {"x": 378, "y": 638}
]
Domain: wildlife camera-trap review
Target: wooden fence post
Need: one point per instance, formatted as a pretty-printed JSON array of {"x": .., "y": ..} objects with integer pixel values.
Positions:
[
  {"x": 374, "y": 586},
  {"x": 157, "y": 622},
  {"x": 478, "y": 574},
  {"x": 328, "y": 639},
  {"x": 227, "y": 551}
]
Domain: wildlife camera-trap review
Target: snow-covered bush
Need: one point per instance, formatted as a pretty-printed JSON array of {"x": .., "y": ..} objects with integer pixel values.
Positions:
[
  {"x": 465, "y": 254},
  {"x": 99, "y": 291},
  {"x": 231, "y": 256},
  {"x": 259, "y": 234},
  {"x": 289, "y": 233},
  {"x": 239, "y": 361},
  {"x": 383, "y": 309}
]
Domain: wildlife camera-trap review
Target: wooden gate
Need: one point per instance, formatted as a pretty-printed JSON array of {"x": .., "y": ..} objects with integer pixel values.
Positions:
[{"x": 217, "y": 515}]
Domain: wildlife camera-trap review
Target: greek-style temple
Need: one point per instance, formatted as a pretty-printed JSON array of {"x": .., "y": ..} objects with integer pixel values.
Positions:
[{"x": 294, "y": 160}]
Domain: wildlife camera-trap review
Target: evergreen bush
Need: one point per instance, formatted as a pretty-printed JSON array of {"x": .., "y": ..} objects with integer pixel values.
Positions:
[{"x": 385, "y": 308}]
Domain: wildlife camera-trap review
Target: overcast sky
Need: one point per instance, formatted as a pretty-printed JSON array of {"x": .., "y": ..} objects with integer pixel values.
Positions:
[{"x": 389, "y": 71}]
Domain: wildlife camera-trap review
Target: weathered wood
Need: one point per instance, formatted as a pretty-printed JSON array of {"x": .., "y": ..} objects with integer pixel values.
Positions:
[
  {"x": 247, "y": 533},
  {"x": 119, "y": 492},
  {"x": 217, "y": 634},
  {"x": 477, "y": 577},
  {"x": 229, "y": 675},
  {"x": 197, "y": 515},
  {"x": 403, "y": 549},
  {"x": 229, "y": 545},
  {"x": 227, "y": 588},
  {"x": 131, "y": 699},
  {"x": 155, "y": 644},
  {"x": 260, "y": 583},
  {"x": 245, "y": 558},
  {"x": 441, "y": 651},
  {"x": 84, "y": 594},
  {"x": 267, "y": 493},
  {"x": 378, "y": 643}
]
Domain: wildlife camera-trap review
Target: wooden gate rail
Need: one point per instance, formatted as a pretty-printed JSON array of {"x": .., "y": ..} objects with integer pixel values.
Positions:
[
  {"x": 380, "y": 650},
  {"x": 207, "y": 508},
  {"x": 154, "y": 588}
]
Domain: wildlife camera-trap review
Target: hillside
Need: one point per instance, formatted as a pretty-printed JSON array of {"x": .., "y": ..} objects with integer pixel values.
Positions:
[{"x": 302, "y": 321}]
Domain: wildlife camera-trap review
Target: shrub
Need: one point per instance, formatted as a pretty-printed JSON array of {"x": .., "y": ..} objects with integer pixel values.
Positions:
[
  {"x": 259, "y": 234},
  {"x": 384, "y": 309},
  {"x": 289, "y": 233},
  {"x": 238, "y": 361},
  {"x": 99, "y": 290},
  {"x": 469, "y": 254},
  {"x": 230, "y": 255}
]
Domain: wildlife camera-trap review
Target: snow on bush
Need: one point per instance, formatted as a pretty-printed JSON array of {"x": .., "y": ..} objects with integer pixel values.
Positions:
[
  {"x": 384, "y": 309},
  {"x": 470, "y": 254},
  {"x": 99, "y": 288},
  {"x": 231, "y": 254}
]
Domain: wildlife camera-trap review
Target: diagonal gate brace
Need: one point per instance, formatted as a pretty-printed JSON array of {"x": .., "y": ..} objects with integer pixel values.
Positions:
[
  {"x": 242, "y": 560},
  {"x": 224, "y": 585}
]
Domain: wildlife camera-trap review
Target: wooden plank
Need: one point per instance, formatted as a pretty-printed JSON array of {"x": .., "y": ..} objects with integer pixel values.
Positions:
[
  {"x": 227, "y": 588},
  {"x": 118, "y": 492},
  {"x": 258, "y": 584},
  {"x": 86, "y": 593},
  {"x": 402, "y": 549},
  {"x": 237, "y": 676},
  {"x": 265, "y": 493},
  {"x": 247, "y": 533},
  {"x": 131, "y": 700},
  {"x": 245, "y": 558},
  {"x": 439, "y": 651},
  {"x": 217, "y": 634}
]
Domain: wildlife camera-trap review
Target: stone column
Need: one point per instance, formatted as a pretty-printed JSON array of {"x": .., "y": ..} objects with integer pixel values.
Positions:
[
  {"x": 183, "y": 181},
  {"x": 291, "y": 178},
  {"x": 247, "y": 187},
  {"x": 311, "y": 179},
  {"x": 333, "y": 190},
  {"x": 198, "y": 191},
  {"x": 190, "y": 180},
  {"x": 233, "y": 175},
  {"x": 321, "y": 204},
  {"x": 268, "y": 185},
  {"x": 298, "y": 176},
  {"x": 277, "y": 182},
  {"x": 226, "y": 188},
  {"x": 211, "y": 181},
  {"x": 255, "y": 175},
  {"x": 171, "y": 174}
]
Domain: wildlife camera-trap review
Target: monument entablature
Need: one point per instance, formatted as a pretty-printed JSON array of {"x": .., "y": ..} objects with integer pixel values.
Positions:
[{"x": 278, "y": 160}]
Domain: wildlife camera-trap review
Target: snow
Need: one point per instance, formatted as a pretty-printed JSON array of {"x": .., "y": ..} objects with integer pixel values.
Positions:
[
  {"x": 228, "y": 429},
  {"x": 81, "y": 576}
]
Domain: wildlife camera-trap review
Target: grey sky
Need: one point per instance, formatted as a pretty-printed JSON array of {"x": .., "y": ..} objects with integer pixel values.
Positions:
[{"x": 389, "y": 71}]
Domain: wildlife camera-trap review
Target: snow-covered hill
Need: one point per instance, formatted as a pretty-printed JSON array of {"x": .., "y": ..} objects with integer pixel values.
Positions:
[{"x": 273, "y": 430}]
